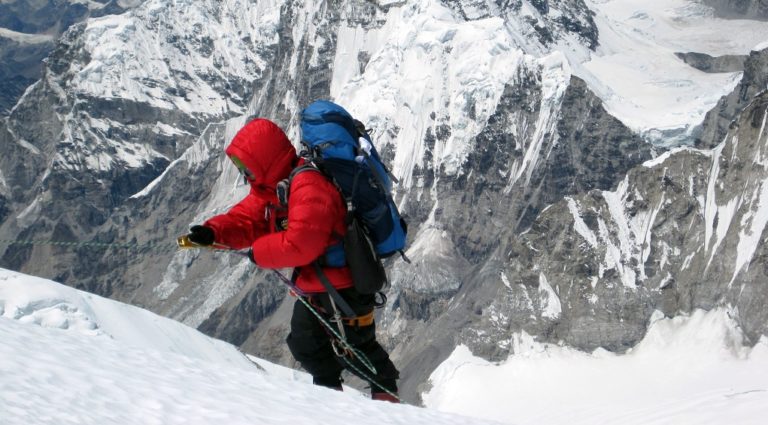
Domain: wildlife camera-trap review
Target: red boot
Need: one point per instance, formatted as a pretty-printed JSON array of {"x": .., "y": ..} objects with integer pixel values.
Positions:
[{"x": 385, "y": 397}]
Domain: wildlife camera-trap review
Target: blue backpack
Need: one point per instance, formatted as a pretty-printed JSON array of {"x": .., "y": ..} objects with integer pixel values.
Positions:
[{"x": 340, "y": 147}]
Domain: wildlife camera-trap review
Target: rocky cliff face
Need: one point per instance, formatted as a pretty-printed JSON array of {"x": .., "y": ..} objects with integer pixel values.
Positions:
[
  {"x": 121, "y": 98},
  {"x": 28, "y": 30},
  {"x": 717, "y": 121},
  {"x": 678, "y": 233},
  {"x": 712, "y": 64},
  {"x": 681, "y": 232},
  {"x": 568, "y": 144},
  {"x": 739, "y": 9}
]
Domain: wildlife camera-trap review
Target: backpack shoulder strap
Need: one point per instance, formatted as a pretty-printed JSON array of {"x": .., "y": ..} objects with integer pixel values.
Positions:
[{"x": 283, "y": 188}]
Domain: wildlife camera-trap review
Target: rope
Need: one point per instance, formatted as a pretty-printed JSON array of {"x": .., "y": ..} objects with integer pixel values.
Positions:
[
  {"x": 163, "y": 246},
  {"x": 371, "y": 380},
  {"x": 302, "y": 297},
  {"x": 357, "y": 353}
]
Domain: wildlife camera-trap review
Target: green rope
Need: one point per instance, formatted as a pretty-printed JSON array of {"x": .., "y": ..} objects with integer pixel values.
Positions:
[
  {"x": 357, "y": 353},
  {"x": 158, "y": 246},
  {"x": 371, "y": 380},
  {"x": 363, "y": 359}
]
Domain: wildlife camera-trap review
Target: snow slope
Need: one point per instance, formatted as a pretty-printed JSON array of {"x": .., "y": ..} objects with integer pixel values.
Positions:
[
  {"x": 69, "y": 357},
  {"x": 687, "y": 370}
]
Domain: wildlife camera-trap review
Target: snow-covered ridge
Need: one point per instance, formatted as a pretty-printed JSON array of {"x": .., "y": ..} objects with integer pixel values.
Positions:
[
  {"x": 431, "y": 68},
  {"x": 42, "y": 302},
  {"x": 69, "y": 357},
  {"x": 137, "y": 87}
]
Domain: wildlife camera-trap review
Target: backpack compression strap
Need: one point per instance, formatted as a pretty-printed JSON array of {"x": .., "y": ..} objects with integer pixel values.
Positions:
[{"x": 333, "y": 293}]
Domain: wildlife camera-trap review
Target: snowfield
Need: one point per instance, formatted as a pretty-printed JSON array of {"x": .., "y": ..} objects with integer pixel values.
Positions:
[
  {"x": 635, "y": 70},
  {"x": 687, "y": 371},
  {"x": 68, "y": 357}
]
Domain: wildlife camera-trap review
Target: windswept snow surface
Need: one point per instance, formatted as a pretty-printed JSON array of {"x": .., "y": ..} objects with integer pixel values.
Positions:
[
  {"x": 635, "y": 70},
  {"x": 688, "y": 370},
  {"x": 68, "y": 357}
]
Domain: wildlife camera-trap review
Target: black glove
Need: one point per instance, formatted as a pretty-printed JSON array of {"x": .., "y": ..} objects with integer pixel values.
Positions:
[{"x": 201, "y": 235}]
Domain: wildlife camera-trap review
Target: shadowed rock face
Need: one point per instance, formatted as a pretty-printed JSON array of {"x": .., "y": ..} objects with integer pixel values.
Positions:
[
  {"x": 457, "y": 294},
  {"x": 589, "y": 270},
  {"x": 707, "y": 63},
  {"x": 739, "y": 9},
  {"x": 662, "y": 219},
  {"x": 21, "y": 59},
  {"x": 717, "y": 121},
  {"x": 680, "y": 234}
]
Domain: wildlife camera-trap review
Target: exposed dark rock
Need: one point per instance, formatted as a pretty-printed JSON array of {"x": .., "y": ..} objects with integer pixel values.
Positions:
[
  {"x": 711, "y": 64},
  {"x": 236, "y": 324},
  {"x": 484, "y": 215},
  {"x": 719, "y": 119},
  {"x": 739, "y": 9}
]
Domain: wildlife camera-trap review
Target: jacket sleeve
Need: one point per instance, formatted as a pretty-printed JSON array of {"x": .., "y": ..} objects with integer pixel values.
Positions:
[
  {"x": 241, "y": 225},
  {"x": 314, "y": 207}
]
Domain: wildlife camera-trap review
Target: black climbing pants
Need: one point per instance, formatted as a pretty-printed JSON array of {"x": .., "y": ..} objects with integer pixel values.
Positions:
[{"x": 310, "y": 343}]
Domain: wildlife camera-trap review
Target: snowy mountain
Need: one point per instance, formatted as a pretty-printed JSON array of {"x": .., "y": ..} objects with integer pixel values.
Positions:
[
  {"x": 521, "y": 132},
  {"x": 28, "y": 30},
  {"x": 73, "y": 357}
]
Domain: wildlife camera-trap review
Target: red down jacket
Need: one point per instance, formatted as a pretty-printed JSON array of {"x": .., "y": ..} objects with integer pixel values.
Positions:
[{"x": 315, "y": 213}]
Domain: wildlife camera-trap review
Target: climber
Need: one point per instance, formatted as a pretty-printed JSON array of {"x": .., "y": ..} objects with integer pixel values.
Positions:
[{"x": 297, "y": 236}]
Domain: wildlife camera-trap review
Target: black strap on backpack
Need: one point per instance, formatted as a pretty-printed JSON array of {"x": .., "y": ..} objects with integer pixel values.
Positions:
[
  {"x": 333, "y": 293},
  {"x": 367, "y": 271}
]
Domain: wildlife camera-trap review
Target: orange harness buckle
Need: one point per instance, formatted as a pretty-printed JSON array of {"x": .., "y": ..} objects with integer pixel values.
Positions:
[{"x": 360, "y": 321}]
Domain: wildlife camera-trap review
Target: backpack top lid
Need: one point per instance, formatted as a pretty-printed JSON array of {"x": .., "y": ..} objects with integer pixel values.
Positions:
[{"x": 329, "y": 129}]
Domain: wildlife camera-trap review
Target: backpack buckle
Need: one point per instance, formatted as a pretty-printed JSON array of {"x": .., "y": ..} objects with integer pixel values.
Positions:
[{"x": 282, "y": 190}]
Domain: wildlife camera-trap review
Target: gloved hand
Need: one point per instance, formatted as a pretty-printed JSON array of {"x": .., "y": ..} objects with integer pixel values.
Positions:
[{"x": 201, "y": 235}]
